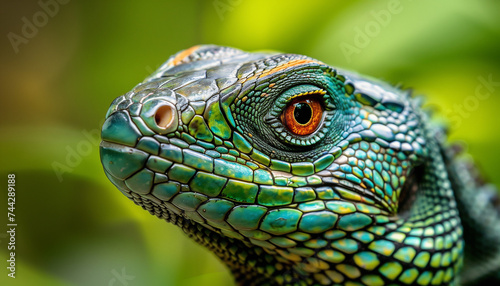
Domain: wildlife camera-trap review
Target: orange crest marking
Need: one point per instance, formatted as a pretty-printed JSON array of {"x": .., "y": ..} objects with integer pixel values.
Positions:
[
  {"x": 291, "y": 63},
  {"x": 281, "y": 67},
  {"x": 184, "y": 54}
]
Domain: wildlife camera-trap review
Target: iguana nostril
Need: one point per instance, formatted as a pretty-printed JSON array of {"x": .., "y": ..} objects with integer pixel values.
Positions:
[
  {"x": 165, "y": 116},
  {"x": 160, "y": 115}
]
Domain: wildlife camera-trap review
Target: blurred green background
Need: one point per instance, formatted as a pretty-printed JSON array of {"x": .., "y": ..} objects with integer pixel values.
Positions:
[{"x": 59, "y": 77}]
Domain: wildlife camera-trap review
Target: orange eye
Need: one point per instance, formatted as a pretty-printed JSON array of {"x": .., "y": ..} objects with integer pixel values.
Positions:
[{"x": 302, "y": 116}]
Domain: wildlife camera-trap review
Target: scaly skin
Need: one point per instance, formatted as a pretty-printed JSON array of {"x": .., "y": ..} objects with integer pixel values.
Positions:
[{"x": 369, "y": 197}]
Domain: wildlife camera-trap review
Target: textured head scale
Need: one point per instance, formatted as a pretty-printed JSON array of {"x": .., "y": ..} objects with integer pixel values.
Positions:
[{"x": 202, "y": 143}]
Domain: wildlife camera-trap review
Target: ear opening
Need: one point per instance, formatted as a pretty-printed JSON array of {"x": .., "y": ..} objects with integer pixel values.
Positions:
[{"x": 410, "y": 189}]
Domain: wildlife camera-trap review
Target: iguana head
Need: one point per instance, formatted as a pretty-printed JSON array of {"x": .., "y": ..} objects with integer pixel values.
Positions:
[{"x": 309, "y": 172}]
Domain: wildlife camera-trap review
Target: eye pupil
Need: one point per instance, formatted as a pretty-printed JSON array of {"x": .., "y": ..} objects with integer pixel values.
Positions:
[
  {"x": 303, "y": 115},
  {"x": 302, "y": 112}
]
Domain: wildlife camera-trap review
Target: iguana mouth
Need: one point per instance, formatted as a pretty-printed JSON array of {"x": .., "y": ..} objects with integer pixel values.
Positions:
[
  {"x": 113, "y": 155},
  {"x": 406, "y": 198},
  {"x": 366, "y": 196}
]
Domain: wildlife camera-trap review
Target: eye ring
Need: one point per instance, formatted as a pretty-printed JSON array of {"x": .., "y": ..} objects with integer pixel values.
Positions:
[{"x": 302, "y": 116}]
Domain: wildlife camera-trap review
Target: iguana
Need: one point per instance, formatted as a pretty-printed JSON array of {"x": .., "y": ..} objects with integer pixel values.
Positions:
[{"x": 294, "y": 172}]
